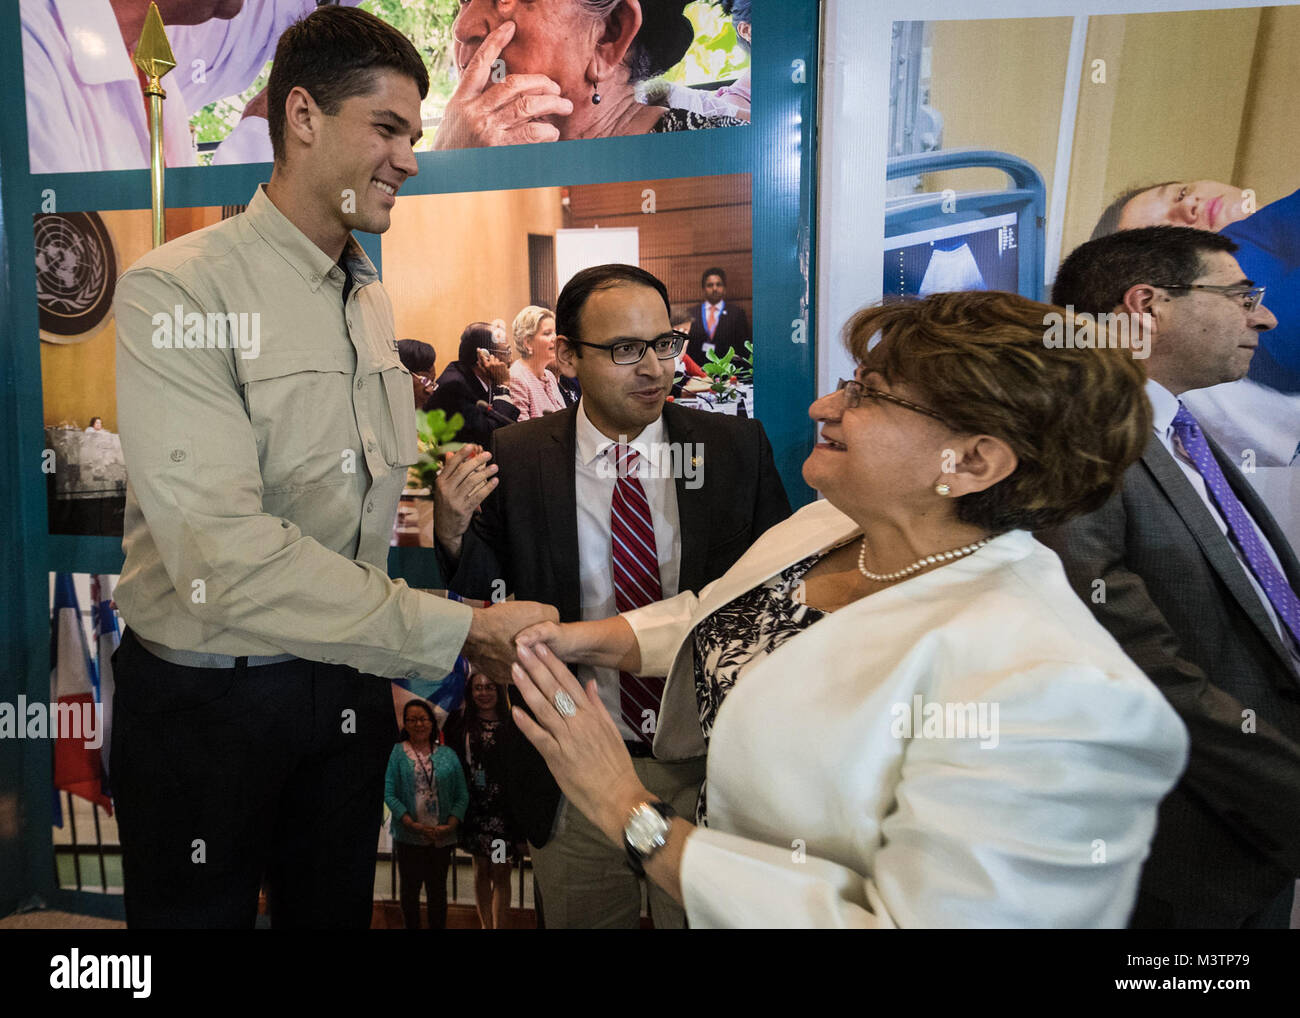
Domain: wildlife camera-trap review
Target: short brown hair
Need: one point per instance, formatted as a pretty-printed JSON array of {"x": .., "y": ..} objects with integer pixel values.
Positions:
[
  {"x": 1076, "y": 418},
  {"x": 334, "y": 53}
]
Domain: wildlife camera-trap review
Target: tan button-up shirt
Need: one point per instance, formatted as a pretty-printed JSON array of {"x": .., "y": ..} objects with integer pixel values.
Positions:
[{"x": 267, "y": 425}]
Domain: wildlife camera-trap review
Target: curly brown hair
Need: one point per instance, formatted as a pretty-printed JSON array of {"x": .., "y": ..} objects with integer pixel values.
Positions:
[{"x": 1075, "y": 418}]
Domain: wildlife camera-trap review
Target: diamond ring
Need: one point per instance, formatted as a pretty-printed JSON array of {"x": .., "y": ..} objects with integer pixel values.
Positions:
[{"x": 564, "y": 704}]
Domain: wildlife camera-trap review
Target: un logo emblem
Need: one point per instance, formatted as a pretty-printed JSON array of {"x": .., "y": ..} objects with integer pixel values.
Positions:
[{"x": 76, "y": 271}]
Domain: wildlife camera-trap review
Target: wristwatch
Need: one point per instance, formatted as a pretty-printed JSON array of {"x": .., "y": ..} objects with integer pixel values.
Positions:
[{"x": 646, "y": 831}]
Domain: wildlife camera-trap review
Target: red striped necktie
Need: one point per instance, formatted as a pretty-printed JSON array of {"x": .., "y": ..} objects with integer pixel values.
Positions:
[{"x": 636, "y": 583}]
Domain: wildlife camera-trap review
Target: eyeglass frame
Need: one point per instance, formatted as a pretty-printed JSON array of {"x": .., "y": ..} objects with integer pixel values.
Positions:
[
  {"x": 681, "y": 338},
  {"x": 1255, "y": 294},
  {"x": 852, "y": 401}
]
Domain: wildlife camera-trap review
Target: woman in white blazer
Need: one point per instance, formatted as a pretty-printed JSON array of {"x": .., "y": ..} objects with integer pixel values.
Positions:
[{"x": 910, "y": 718}]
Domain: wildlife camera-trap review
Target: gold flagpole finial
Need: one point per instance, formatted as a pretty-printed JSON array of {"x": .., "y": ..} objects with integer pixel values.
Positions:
[
  {"x": 153, "y": 53},
  {"x": 154, "y": 57}
]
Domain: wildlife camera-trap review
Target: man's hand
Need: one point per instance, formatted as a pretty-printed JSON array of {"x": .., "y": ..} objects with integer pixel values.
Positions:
[
  {"x": 482, "y": 112},
  {"x": 490, "y": 645},
  {"x": 495, "y": 368},
  {"x": 467, "y": 477}
]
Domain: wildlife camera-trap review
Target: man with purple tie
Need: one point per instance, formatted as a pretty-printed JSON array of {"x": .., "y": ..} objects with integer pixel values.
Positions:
[{"x": 1188, "y": 570}]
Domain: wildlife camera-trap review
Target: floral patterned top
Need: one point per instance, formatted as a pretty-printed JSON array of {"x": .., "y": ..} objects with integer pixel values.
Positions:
[
  {"x": 487, "y": 831},
  {"x": 741, "y": 633},
  {"x": 685, "y": 120},
  {"x": 426, "y": 787}
]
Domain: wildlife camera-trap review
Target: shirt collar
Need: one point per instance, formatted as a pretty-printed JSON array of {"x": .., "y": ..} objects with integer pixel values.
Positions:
[
  {"x": 95, "y": 41},
  {"x": 310, "y": 262},
  {"x": 1164, "y": 406},
  {"x": 592, "y": 443}
]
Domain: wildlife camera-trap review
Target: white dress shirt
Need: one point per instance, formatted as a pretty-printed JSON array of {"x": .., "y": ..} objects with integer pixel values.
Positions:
[
  {"x": 720, "y": 307},
  {"x": 1164, "y": 406},
  {"x": 823, "y": 812},
  {"x": 85, "y": 108},
  {"x": 594, "y": 486},
  {"x": 1245, "y": 415}
]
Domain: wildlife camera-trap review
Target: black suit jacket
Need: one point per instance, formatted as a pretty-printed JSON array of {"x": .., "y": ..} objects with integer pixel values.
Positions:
[
  {"x": 732, "y": 331},
  {"x": 1179, "y": 602},
  {"x": 458, "y": 392},
  {"x": 527, "y": 536}
]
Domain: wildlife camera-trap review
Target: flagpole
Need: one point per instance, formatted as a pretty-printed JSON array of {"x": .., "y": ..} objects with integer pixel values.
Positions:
[{"x": 154, "y": 57}]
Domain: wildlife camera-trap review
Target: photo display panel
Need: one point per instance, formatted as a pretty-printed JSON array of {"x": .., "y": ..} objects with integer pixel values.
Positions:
[{"x": 686, "y": 148}]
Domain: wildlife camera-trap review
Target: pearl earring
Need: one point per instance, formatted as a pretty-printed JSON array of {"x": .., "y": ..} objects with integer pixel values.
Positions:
[
  {"x": 595, "y": 98},
  {"x": 942, "y": 489}
]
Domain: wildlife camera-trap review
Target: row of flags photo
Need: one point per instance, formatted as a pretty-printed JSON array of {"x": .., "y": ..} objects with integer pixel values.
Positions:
[{"x": 81, "y": 677}]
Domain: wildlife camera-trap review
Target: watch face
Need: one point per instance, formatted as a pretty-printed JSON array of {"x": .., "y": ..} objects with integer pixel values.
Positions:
[{"x": 645, "y": 829}]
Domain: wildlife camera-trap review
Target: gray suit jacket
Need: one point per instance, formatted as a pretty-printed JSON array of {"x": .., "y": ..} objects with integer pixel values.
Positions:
[{"x": 1175, "y": 596}]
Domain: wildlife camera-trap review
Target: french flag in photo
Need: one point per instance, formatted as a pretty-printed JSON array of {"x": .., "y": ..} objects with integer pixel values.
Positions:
[
  {"x": 107, "y": 635},
  {"x": 446, "y": 694},
  {"x": 77, "y": 768}
]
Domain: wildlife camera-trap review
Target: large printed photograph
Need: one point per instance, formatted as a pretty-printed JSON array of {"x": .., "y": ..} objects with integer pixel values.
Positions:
[
  {"x": 991, "y": 188},
  {"x": 468, "y": 315},
  {"x": 500, "y": 73}
]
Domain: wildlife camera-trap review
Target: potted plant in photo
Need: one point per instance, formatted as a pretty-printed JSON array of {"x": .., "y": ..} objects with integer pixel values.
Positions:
[
  {"x": 722, "y": 374},
  {"x": 436, "y": 436}
]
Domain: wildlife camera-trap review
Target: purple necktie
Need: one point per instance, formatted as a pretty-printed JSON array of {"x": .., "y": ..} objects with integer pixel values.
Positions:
[{"x": 1276, "y": 588}]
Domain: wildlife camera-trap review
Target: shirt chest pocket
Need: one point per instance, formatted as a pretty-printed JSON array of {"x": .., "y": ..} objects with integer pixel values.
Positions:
[
  {"x": 395, "y": 420},
  {"x": 301, "y": 410}
]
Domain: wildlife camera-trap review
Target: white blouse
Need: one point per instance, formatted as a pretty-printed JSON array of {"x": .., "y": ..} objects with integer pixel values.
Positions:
[{"x": 967, "y": 748}]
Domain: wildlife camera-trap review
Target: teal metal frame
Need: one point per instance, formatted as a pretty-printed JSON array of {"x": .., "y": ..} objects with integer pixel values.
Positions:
[{"x": 778, "y": 149}]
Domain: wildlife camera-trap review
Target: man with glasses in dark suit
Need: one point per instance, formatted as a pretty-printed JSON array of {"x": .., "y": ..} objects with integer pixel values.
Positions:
[
  {"x": 614, "y": 503},
  {"x": 1189, "y": 571}
]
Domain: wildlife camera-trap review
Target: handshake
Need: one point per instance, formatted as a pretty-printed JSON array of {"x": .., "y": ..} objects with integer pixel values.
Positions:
[
  {"x": 496, "y": 630},
  {"x": 490, "y": 643}
]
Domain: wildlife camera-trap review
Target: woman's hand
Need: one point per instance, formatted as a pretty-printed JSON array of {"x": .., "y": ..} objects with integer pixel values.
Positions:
[
  {"x": 423, "y": 830},
  {"x": 604, "y": 643},
  {"x": 508, "y": 111},
  {"x": 467, "y": 477},
  {"x": 584, "y": 752},
  {"x": 566, "y": 640}
]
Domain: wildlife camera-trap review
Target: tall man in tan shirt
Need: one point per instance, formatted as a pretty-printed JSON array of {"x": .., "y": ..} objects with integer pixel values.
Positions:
[{"x": 267, "y": 424}]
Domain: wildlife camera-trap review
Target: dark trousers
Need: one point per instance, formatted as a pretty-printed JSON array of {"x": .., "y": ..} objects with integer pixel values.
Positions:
[
  {"x": 224, "y": 778},
  {"x": 423, "y": 866}
]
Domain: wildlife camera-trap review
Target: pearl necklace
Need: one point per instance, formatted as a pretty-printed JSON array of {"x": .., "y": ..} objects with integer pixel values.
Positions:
[{"x": 929, "y": 560}]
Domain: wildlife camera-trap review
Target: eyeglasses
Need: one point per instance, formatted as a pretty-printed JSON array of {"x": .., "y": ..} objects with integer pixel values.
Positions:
[
  {"x": 1250, "y": 296},
  {"x": 630, "y": 351},
  {"x": 417, "y": 721},
  {"x": 855, "y": 392}
]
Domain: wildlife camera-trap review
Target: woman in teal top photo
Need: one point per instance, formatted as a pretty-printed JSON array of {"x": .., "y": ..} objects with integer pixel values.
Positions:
[{"x": 426, "y": 794}]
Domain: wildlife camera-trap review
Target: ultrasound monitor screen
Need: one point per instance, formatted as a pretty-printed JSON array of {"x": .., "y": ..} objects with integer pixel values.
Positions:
[{"x": 980, "y": 255}]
